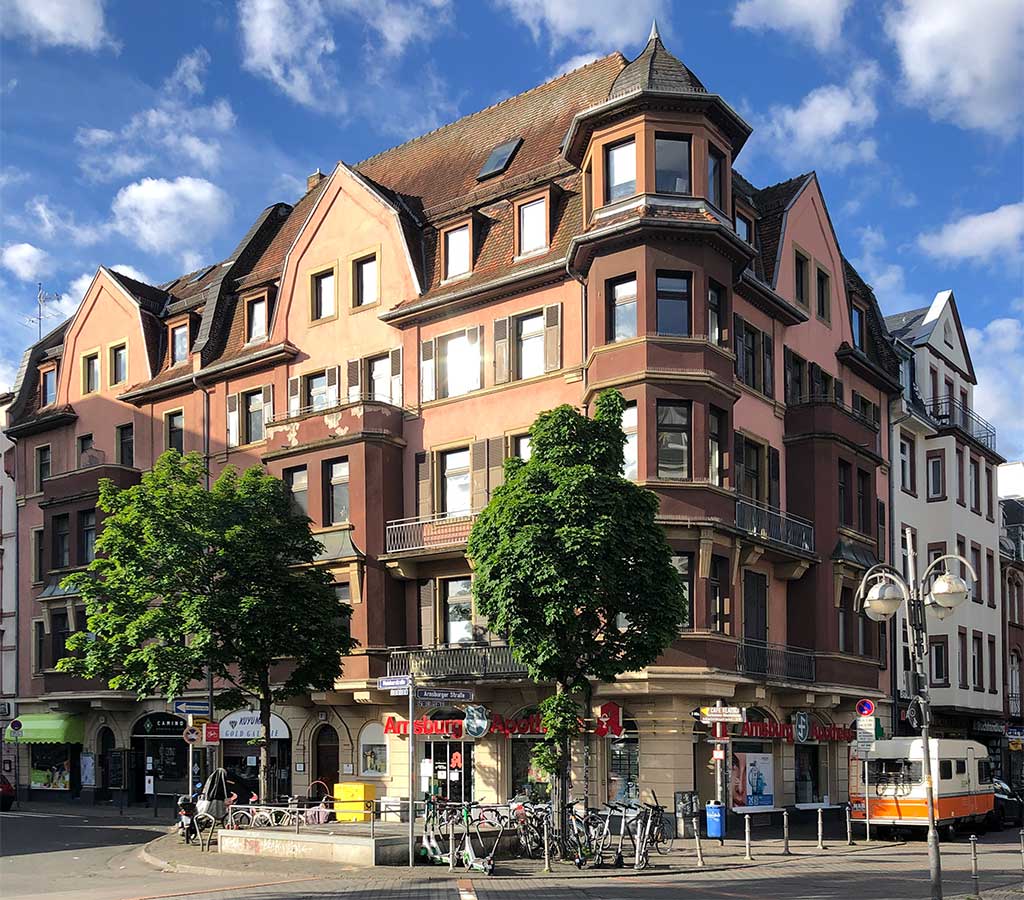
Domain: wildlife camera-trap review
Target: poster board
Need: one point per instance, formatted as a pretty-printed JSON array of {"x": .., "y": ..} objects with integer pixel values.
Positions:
[{"x": 752, "y": 782}]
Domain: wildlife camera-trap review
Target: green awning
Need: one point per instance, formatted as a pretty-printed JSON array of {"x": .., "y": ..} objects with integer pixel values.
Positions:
[{"x": 47, "y": 728}]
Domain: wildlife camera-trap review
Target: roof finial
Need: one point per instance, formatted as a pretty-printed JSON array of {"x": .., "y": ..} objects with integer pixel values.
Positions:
[{"x": 654, "y": 31}]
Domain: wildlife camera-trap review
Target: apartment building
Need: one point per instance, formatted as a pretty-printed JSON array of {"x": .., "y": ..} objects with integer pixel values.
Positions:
[
  {"x": 384, "y": 344},
  {"x": 8, "y": 590},
  {"x": 1010, "y": 479},
  {"x": 944, "y": 489}
]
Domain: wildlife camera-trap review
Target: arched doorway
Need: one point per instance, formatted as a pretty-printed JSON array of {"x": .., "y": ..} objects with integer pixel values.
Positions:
[
  {"x": 326, "y": 748},
  {"x": 105, "y": 750}
]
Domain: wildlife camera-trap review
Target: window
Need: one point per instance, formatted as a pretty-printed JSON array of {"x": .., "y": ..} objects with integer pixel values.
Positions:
[
  {"x": 256, "y": 320},
  {"x": 61, "y": 541},
  {"x": 988, "y": 492},
  {"x": 337, "y": 510},
  {"x": 716, "y": 429},
  {"x": 620, "y": 171},
  {"x": 673, "y": 303},
  {"x": 86, "y": 536},
  {"x": 366, "y": 282},
  {"x": 672, "y": 164},
  {"x": 800, "y": 278},
  {"x": 745, "y": 228},
  {"x": 91, "y": 373},
  {"x": 315, "y": 391},
  {"x": 175, "y": 425},
  {"x": 631, "y": 452},
  {"x": 863, "y": 502},
  {"x": 857, "y": 326},
  {"x": 936, "y": 478},
  {"x": 456, "y": 252},
  {"x": 945, "y": 767},
  {"x": 118, "y": 364},
  {"x": 984, "y": 771},
  {"x": 716, "y": 177},
  {"x": 39, "y": 630},
  {"x": 458, "y": 363},
  {"x": 748, "y": 356},
  {"x": 845, "y": 474},
  {"x": 824, "y": 296},
  {"x": 38, "y": 555},
  {"x": 126, "y": 444},
  {"x": 179, "y": 343},
  {"x": 963, "y": 657},
  {"x": 521, "y": 447},
  {"x": 59, "y": 632},
  {"x": 796, "y": 377},
  {"x": 683, "y": 564},
  {"x": 373, "y": 751},
  {"x": 622, "y": 309},
  {"x": 673, "y": 440},
  {"x": 976, "y": 565},
  {"x": 992, "y": 688},
  {"x": 455, "y": 493},
  {"x": 458, "y": 610},
  {"x": 297, "y": 481},
  {"x": 252, "y": 410},
  {"x": 533, "y": 229},
  {"x": 323, "y": 295},
  {"x": 714, "y": 314},
  {"x": 48, "y": 387},
  {"x": 939, "y": 662},
  {"x": 960, "y": 477},
  {"x": 84, "y": 450},
  {"x": 978, "y": 662},
  {"x": 43, "y": 460},
  {"x": 529, "y": 350},
  {"x": 975, "y": 483},
  {"x": 718, "y": 619},
  {"x": 907, "y": 464},
  {"x": 379, "y": 369},
  {"x": 990, "y": 575}
]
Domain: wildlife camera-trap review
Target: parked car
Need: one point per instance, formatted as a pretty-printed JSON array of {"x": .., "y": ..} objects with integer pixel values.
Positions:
[
  {"x": 6, "y": 794},
  {"x": 1009, "y": 805}
]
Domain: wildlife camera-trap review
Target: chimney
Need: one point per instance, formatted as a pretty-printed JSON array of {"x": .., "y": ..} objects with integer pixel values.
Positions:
[{"x": 313, "y": 180}]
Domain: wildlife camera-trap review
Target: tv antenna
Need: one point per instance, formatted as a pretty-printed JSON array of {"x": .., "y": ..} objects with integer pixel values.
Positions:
[{"x": 42, "y": 311}]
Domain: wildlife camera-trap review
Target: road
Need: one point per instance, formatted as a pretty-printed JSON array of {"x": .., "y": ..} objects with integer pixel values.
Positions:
[{"x": 88, "y": 857}]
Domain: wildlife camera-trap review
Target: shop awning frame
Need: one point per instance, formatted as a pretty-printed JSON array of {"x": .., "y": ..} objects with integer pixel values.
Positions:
[{"x": 47, "y": 728}]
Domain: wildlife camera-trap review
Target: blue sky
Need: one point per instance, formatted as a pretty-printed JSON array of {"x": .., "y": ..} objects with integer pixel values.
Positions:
[{"x": 148, "y": 136}]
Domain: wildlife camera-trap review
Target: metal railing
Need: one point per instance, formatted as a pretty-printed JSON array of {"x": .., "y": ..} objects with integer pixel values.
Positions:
[
  {"x": 947, "y": 410},
  {"x": 774, "y": 524},
  {"x": 760, "y": 659},
  {"x": 454, "y": 660},
  {"x": 429, "y": 532},
  {"x": 331, "y": 405},
  {"x": 1013, "y": 705}
]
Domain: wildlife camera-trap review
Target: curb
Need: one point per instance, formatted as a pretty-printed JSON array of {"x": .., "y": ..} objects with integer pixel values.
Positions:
[{"x": 150, "y": 858}]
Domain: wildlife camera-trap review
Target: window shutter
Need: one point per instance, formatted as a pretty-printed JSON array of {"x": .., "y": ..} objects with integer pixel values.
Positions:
[
  {"x": 739, "y": 444},
  {"x": 293, "y": 396},
  {"x": 268, "y": 404},
  {"x": 478, "y": 474},
  {"x": 332, "y": 386},
  {"x": 427, "y": 369},
  {"x": 495, "y": 464},
  {"x": 232, "y": 420},
  {"x": 396, "y": 377},
  {"x": 427, "y": 634},
  {"x": 552, "y": 337},
  {"x": 773, "y": 477},
  {"x": 737, "y": 344},
  {"x": 354, "y": 367},
  {"x": 768, "y": 364},
  {"x": 502, "y": 366},
  {"x": 424, "y": 496}
]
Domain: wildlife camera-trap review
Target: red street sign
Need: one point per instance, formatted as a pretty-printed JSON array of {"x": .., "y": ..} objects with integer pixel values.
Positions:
[
  {"x": 211, "y": 733},
  {"x": 865, "y": 707}
]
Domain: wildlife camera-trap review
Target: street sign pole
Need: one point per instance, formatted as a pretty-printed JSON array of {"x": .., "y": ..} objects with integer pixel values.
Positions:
[
  {"x": 412, "y": 770},
  {"x": 718, "y": 762}
]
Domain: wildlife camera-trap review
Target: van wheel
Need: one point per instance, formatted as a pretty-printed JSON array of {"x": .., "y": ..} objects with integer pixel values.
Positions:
[{"x": 947, "y": 832}]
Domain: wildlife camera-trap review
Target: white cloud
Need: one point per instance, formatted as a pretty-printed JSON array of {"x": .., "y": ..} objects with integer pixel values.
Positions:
[
  {"x": 164, "y": 216},
  {"x": 188, "y": 76},
  {"x": 12, "y": 175},
  {"x": 53, "y": 221},
  {"x": 1000, "y": 384},
  {"x": 27, "y": 261},
  {"x": 829, "y": 128},
  {"x": 962, "y": 61},
  {"x": 608, "y": 24},
  {"x": 8, "y": 372},
  {"x": 397, "y": 23},
  {"x": 887, "y": 279},
  {"x": 56, "y": 23},
  {"x": 980, "y": 237},
  {"x": 819, "y": 22},
  {"x": 573, "y": 62},
  {"x": 77, "y": 288}
]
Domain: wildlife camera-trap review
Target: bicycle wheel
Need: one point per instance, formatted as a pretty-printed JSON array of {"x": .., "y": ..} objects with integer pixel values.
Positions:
[
  {"x": 241, "y": 818},
  {"x": 262, "y": 819},
  {"x": 661, "y": 839},
  {"x": 529, "y": 841}
]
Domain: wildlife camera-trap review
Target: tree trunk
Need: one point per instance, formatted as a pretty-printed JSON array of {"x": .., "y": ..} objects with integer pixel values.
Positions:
[
  {"x": 265, "y": 746},
  {"x": 563, "y": 779}
]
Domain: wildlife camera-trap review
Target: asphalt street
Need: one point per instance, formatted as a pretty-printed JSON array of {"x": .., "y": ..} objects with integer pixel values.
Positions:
[{"x": 96, "y": 857}]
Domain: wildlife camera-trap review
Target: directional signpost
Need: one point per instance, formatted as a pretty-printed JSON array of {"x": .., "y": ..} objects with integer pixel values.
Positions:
[
  {"x": 712, "y": 715},
  {"x": 400, "y": 685}
]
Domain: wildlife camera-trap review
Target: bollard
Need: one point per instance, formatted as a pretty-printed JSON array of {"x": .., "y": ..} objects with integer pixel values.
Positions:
[
  {"x": 451, "y": 844},
  {"x": 785, "y": 833},
  {"x": 373, "y": 819},
  {"x": 547, "y": 847},
  {"x": 1022, "y": 857},
  {"x": 849, "y": 827},
  {"x": 746, "y": 836},
  {"x": 821, "y": 829},
  {"x": 974, "y": 864},
  {"x": 700, "y": 853}
]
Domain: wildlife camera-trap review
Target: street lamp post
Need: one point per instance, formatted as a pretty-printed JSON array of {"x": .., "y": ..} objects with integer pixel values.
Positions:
[{"x": 881, "y": 593}]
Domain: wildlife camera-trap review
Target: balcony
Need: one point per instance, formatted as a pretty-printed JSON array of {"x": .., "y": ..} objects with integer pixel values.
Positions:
[
  {"x": 457, "y": 661},
  {"x": 1013, "y": 705},
  {"x": 823, "y": 416},
  {"x": 442, "y": 531},
  {"x": 771, "y": 524},
  {"x": 948, "y": 412},
  {"x": 770, "y": 662},
  {"x": 1012, "y": 543}
]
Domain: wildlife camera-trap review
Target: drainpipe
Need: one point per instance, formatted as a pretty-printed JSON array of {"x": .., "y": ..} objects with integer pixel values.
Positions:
[
  {"x": 583, "y": 322},
  {"x": 894, "y": 639}
]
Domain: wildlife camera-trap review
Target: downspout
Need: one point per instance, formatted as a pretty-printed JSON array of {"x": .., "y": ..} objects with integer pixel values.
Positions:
[
  {"x": 895, "y": 638},
  {"x": 583, "y": 322},
  {"x": 206, "y": 428}
]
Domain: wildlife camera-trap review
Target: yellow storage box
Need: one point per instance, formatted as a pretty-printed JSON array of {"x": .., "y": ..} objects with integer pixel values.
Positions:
[{"x": 353, "y": 801}]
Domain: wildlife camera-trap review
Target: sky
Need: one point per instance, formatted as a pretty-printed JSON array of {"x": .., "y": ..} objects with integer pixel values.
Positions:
[{"x": 148, "y": 136}]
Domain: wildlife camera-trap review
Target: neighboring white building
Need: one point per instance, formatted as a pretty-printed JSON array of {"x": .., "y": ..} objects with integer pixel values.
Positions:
[
  {"x": 944, "y": 489},
  {"x": 8, "y": 587}
]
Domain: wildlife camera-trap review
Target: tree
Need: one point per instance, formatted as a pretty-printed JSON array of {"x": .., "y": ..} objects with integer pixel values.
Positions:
[
  {"x": 187, "y": 578},
  {"x": 571, "y": 568}
]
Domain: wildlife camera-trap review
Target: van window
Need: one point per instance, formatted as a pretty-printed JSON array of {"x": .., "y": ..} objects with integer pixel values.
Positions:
[
  {"x": 894, "y": 771},
  {"x": 945, "y": 769},
  {"x": 984, "y": 771},
  {"x": 961, "y": 767}
]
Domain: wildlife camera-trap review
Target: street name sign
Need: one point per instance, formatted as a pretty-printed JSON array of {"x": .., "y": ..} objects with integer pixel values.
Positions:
[
  {"x": 430, "y": 696},
  {"x": 191, "y": 707},
  {"x": 390, "y": 682},
  {"x": 399, "y": 692}
]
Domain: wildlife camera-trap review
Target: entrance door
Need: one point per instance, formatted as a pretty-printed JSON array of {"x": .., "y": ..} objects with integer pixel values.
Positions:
[
  {"x": 755, "y": 621},
  {"x": 327, "y": 756},
  {"x": 451, "y": 768},
  {"x": 105, "y": 744}
]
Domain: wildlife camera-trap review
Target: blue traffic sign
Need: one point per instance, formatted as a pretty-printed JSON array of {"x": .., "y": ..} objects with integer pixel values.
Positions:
[
  {"x": 865, "y": 707},
  {"x": 191, "y": 707}
]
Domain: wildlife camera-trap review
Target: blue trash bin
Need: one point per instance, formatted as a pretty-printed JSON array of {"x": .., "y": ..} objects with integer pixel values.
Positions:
[{"x": 715, "y": 812}]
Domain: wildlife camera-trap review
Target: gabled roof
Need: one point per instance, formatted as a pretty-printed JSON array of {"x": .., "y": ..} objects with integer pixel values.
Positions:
[
  {"x": 772, "y": 203},
  {"x": 656, "y": 70},
  {"x": 916, "y": 326}
]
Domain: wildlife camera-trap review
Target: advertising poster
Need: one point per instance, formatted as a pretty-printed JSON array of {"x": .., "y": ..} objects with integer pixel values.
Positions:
[
  {"x": 51, "y": 767},
  {"x": 752, "y": 783}
]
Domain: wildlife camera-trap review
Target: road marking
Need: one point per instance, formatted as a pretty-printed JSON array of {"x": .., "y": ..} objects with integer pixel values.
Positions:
[
  {"x": 466, "y": 890},
  {"x": 233, "y": 887}
]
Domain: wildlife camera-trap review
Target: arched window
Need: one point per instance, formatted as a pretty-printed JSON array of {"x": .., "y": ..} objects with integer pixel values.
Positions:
[
  {"x": 1014, "y": 691},
  {"x": 373, "y": 751}
]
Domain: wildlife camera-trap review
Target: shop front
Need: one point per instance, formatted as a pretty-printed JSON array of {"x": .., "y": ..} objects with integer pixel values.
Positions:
[
  {"x": 54, "y": 742},
  {"x": 159, "y": 756},
  {"x": 240, "y": 732},
  {"x": 992, "y": 734}
]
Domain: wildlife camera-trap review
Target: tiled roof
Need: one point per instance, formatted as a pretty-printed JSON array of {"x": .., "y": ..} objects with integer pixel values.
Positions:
[
  {"x": 771, "y": 203},
  {"x": 655, "y": 69},
  {"x": 432, "y": 172},
  {"x": 907, "y": 326}
]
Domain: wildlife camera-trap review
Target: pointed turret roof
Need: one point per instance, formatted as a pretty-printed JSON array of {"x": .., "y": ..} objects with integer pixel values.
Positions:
[{"x": 656, "y": 70}]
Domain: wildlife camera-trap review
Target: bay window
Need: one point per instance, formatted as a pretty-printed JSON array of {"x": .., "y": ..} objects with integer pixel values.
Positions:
[
  {"x": 673, "y": 439},
  {"x": 620, "y": 171},
  {"x": 716, "y": 177},
  {"x": 631, "y": 452},
  {"x": 622, "y": 309},
  {"x": 673, "y": 299},
  {"x": 337, "y": 495},
  {"x": 714, "y": 314},
  {"x": 672, "y": 164}
]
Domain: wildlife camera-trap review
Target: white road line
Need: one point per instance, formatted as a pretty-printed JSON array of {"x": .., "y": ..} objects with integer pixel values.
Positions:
[{"x": 466, "y": 891}]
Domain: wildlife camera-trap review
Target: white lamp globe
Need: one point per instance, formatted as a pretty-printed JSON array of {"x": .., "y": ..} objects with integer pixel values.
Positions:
[
  {"x": 882, "y": 601},
  {"x": 949, "y": 590},
  {"x": 940, "y": 612}
]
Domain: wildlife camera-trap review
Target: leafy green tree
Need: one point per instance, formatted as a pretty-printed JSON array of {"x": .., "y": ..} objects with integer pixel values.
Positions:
[
  {"x": 571, "y": 568},
  {"x": 188, "y": 577}
]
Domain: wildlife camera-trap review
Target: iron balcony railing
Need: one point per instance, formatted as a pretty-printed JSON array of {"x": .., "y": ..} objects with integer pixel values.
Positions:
[
  {"x": 332, "y": 404},
  {"x": 455, "y": 661},
  {"x": 1013, "y": 544},
  {"x": 947, "y": 410},
  {"x": 436, "y": 532},
  {"x": 1013, "y": 704},
  {"x": 774, "y": 524},
  {"x": 759, "y": 659}
]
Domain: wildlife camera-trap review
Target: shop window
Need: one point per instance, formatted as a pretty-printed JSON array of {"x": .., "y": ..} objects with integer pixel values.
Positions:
[
  {"x": 673, "y": 303},
  {"x": 373, "y": 751},
  {"x": 528, "y": 781},
  {"x": 458, "y": 610},
  {"x": 624, "y": 765},
  {"x": 620, "y": 171},
  {"x": 672, "y": 163},
  {"x": 752, "y": 771},
  {"x": 52, "y": 766},
  {"x": 631, "y": 451},
  {"x": 811, "y": 765},
  {"x": 622, "y": 309}
]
